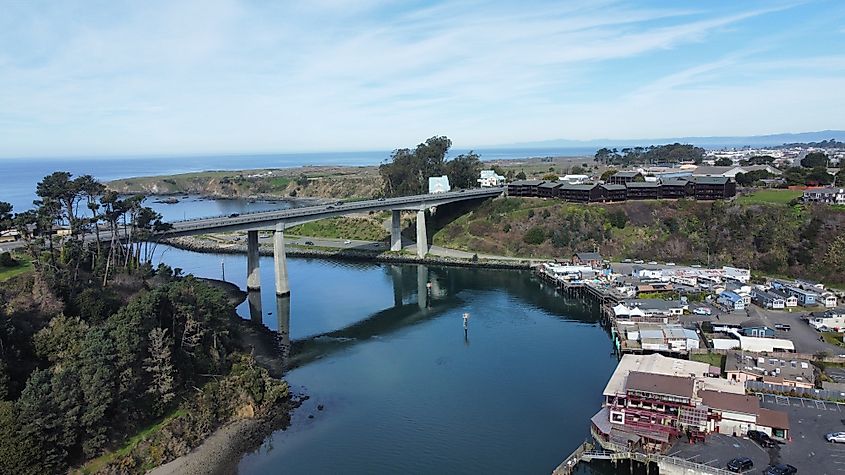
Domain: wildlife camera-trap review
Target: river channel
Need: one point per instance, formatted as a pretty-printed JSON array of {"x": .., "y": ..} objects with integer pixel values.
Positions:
[{"x": 403, "y": 387}]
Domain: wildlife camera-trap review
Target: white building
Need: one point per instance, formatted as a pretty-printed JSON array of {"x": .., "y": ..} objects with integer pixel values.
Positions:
[
  {"x": 828, "y": 195},
  {"x": 489, "y": 178},
  {"x": 438, "y": 184}
]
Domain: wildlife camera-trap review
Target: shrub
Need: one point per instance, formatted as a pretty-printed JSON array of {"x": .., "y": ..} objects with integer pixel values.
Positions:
[
  {"x": 6, "y": 260},
  {"x": 535, "y": 235}
]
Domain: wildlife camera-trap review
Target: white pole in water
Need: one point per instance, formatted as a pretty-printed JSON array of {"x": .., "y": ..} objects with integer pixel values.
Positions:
[{"x": 466, "y": 322}]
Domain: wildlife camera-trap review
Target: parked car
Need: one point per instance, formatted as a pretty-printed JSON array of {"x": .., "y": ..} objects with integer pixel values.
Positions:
[
  {"x": 761, "y": 438},
  {"x": 782, "y": 327},
  {"x": 347, "y": 242},
  {"x": 309, "y": 243},
  {"x": 627, "y": 261},
  {"x": 670, "y": 263},
  {"x": 338, "y": 203},
  {"x": 740, "y": 464},
  {"x": 382, "y": 198},
  {"x": 638, "y": 261},
  {"x": 234, "y": 215},
  {"x": 835, "y": 437},
  {"x": 781, "y": 469},
  {"x": 652, "y": 263},
  {"x": 702, "y": 311}
]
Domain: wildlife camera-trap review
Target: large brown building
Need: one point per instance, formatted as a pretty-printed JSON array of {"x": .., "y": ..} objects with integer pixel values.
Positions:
[{"x": 713, "y": 187}]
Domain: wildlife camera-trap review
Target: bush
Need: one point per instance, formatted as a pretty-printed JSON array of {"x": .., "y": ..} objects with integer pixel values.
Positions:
[
  {"x": 535, "y": 235},
  {"x": 6, "y": 260}
]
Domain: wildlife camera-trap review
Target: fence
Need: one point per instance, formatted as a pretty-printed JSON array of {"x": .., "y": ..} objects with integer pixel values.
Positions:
[{"x": 825, "y": 394}]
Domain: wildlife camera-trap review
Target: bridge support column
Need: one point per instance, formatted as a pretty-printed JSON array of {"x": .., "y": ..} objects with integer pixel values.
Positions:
[
  {"x": 422, "y": 286},
  {"x": 422, "y": 237},
  {"x": 396, "y": 231},
  {"x": 282, "y": 286},
  {"x": 253, "y": 277},
  {"x": 283, "y": 325},
  {"x": 255, "y": 312}
]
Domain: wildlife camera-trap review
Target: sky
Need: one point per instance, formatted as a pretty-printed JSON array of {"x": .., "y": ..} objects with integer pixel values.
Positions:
[{"x": 228, "y": 76}]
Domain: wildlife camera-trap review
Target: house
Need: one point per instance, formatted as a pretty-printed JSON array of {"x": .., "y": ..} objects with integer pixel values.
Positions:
[
  {"x": 789, "y": 300},
  {"x": 756, "y": 328},
  {"x": 731, "y": 300},
  {"x": 713, "y": 187},
  {"x": 829, "y": 320},
  {"x": 438, "y": 184},
  {"x": 592, "y": 259},
  {"x": 623, "y": 177},
  {"x": 643, "y": 190},
  {"x": 610, "y": 192},
  {"x": 489, "y": 178},
  {"x": 806, "y": 298},
  {"x": 654, "y": 273},
  {"x": 793, "y": 373},
  {"x": 548, "y": 189},
  {"x": 828, "y": 300},
  {"x": 768, "y": 299},
  {"x": 736, "y": 414},
  {"x": 670, "y": 338},
  {"x": 524, "y": 187},
  {"x": 827, "y": 195},
  {"x": 676, "y": 188},
  {"x": 586, "y": 193},
  {"x": 657, "y": 307}
]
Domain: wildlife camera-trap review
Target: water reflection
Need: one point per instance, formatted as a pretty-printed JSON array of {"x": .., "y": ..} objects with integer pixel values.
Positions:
[{"x": 254, "y": 301}]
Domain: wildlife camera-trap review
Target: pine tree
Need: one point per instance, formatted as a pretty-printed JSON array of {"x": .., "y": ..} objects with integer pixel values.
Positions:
[{"x": 160, "y": 367}]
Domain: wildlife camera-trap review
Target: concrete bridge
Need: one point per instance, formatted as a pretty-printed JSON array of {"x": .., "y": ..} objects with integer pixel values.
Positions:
[{"x": 278, "y": 221}]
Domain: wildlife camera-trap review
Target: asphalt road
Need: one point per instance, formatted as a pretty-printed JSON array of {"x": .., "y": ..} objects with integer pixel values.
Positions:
[{"x": 805, "y": 337}]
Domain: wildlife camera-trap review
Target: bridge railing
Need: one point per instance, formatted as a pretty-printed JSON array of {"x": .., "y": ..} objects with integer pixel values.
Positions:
[{"x": 305, "y": 210}]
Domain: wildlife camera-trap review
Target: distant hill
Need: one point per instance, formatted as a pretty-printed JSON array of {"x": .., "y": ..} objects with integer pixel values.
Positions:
[{"x": 708, "y": 142}]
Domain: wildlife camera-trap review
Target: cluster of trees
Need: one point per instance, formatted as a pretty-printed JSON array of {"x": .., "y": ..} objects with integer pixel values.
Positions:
[
  {"x": 102, "y": 371},
  {"x": 653, "y": 154},
  {"x": 95, "y": 344},
  {"x": 407, "y": 172},
  {"x": 830, "y": 143},
  {"x": 86, "y": 213}
]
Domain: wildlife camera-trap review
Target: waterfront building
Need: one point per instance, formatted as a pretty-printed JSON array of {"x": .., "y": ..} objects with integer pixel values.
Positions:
[
  {"x": 792, "y": 373},
  {"x": 650, "y": 401},
  {"x": 592, "y": 259}
]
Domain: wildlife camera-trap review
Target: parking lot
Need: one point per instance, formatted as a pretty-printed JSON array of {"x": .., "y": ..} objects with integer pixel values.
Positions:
[
  {"x": 809, "y": 421},
  {"x": 719, "y": 449},
  {"x": 805, "y": 337}
]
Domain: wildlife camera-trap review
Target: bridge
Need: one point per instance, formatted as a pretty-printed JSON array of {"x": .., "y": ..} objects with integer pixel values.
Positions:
[{"x": 277, "y": 221}]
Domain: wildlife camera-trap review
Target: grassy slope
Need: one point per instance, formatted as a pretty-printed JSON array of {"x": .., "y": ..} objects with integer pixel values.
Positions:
[
  {"x": 364, "y": 229},
  {"x": 769, "y": 196},
  {"x": 770, "y": 238},
  {"x": 93, "y": 466},
  {"x": 9, "y": 272}
]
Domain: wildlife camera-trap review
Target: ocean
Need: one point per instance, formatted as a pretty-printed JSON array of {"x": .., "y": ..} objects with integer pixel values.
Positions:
[{"x": 20, "y": 175}]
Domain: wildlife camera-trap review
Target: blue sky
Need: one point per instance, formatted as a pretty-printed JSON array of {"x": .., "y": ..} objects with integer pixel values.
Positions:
[{"x": 227, "y": 76}]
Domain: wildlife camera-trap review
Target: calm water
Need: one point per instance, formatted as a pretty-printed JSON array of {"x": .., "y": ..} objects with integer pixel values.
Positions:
[
  {"x": 403, "y": 389},
  {"x": 21, "y": 175}
]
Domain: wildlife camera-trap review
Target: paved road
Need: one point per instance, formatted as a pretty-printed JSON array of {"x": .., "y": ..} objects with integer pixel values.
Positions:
[{"x": 805, "y": 337}]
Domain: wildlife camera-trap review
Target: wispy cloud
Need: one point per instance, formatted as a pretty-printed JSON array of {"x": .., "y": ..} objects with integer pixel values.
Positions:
[{"x": 226, "y": 75}]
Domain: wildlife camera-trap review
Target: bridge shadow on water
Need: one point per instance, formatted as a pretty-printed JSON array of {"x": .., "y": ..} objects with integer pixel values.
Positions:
[{"x": 421, "y": 293}]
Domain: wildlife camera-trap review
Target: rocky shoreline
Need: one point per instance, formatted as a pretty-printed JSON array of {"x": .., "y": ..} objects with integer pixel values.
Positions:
[{"x": 210, "y": 247}]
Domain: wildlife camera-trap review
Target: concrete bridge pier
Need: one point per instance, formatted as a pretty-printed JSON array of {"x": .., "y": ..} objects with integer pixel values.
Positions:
[
  {"x": 280, "y": 262},
  {"x": 253, "y": 276},
  {"x": 254, "y": 300},
  {"x": 422, "y": 286},
  {"x": 422, "y": 237},
  {"x": 396, "y": 231},
  {"x": 283, "y": 325},
  {"x": 396, "y": 277}
]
